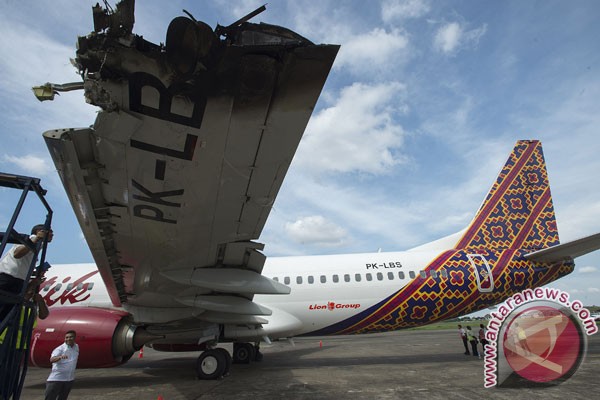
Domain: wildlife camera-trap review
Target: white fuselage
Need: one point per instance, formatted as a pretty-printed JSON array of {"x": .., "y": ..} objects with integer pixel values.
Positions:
[{"x": 324, "y": 289}]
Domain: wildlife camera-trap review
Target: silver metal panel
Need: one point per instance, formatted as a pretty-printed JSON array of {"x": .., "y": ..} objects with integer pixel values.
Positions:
[
  {"x": 228, "y": 280},
  {"x": 186, "y": 158}
]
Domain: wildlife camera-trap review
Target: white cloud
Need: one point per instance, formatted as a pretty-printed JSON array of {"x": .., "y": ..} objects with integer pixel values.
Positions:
[
  {"x": 398, "y": 9},
  {"x": 448, "y": 37},
  {"x": 240, "y": 8},
  {"x": 358, "y": 133},
  {"x": 452, "y": 36},
  {"x": 31, "y": 164},
  {"x": 593, "y": 290},
  {"x": 315, "y": 230},
  {"x": 372, "y": 50},
  {"x": 361, "y": 212},
  {"x": 30, "y": 58},
  {"x": 587, "y": 270}
]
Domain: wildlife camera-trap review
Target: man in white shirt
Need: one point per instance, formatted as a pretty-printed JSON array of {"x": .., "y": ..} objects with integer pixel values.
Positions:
[
  {"x": 15, "y": 265},
  {"x": 64, "y": 361}
]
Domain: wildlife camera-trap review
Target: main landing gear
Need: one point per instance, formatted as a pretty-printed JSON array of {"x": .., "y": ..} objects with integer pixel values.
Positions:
[{"x": 215, "y": 363}]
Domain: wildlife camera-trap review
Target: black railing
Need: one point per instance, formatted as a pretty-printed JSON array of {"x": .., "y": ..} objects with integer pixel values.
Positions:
[{"x": 18, "y": 323}]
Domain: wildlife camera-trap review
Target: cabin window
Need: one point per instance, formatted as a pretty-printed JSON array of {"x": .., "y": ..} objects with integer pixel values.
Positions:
[
  {"x": 80, "y": 286},
  {"x": 46, "y": 288},
  {"x": 357, "y": 277},
  {"x": 69, "y": 286},
  {"x": 286, "y": 280},
  {"x": 346, "y": 278},
  {"x": 57, "y": 287},
  {"x": 423, "y": 274},
  {"x": 401, "y": 274},
  {"x": 299, "y": 280},
  {"x": 390, "y": 276},
  {"x": 444, "y": 273},
  {"x": 90, "y": 286},
  {"x": 433, "y": 273},
  {"x": 379, "y": 276},
  {"x": 336, "y": 278},
  {"x": 411, "y": 274},
  {"x": 369, "y": 277},
  {"x": 311, "y": 280},
  {"x": 276, "y": 279},
  {"x": 323, "y": 279}
]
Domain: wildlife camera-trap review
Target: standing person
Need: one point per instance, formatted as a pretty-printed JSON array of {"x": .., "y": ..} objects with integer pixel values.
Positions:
[
  {"x": 482, "y": 339},
  {"x": 64, "y": 361},
  {"x": 473, "y": 340},
  {"x": 15, "y": 264},
  {"x": 463, "y": 336}
]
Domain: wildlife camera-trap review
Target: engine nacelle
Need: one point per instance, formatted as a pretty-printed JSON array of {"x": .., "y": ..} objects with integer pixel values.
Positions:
[{"x": 106, "y": 338}]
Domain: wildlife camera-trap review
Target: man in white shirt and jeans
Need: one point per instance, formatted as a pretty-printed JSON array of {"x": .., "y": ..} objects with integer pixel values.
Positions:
[{"x": 64, "y": 361}]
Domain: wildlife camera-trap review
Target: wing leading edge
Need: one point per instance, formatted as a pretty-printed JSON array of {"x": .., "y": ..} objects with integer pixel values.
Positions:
[{"x": 179, "y": 172}]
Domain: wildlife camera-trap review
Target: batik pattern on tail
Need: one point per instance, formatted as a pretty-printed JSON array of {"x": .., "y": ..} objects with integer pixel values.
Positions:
[
  {"x": 516, "y": 217},
  {"x": 517, "y": 212}
]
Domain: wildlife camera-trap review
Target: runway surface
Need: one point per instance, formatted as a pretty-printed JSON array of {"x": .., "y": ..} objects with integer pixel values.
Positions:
[{"x": 404, "y": 364}]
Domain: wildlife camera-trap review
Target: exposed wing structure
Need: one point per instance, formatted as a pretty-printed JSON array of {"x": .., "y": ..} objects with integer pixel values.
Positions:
[
  {"x": 569, "y": 250},
  {"x": 178, "y": 174}
]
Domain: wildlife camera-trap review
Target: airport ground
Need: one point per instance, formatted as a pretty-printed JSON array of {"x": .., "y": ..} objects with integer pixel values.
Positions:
[{"x": 406, "y": 364}]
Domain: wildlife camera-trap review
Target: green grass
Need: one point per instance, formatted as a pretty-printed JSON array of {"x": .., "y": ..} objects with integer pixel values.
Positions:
[{"x": 436, "y": 326}]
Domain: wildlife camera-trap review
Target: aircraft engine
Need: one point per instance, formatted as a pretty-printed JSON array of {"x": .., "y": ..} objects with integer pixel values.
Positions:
[{"x": 106, "y": 338}]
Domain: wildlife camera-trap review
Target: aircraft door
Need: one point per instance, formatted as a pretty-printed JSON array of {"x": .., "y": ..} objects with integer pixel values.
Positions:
[{"x": 483, "y": 272}]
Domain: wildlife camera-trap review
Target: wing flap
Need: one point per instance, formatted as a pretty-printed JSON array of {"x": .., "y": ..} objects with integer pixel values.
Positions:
[
  {"x": 228, "y": 280},
  {"x": 225, "y": 304},
  {"x": 70, "y": 149}
]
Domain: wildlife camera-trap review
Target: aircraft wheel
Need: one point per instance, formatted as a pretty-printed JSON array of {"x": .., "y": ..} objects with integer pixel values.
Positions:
[
  {"x": 227, "y": 360},
  {"x": 243, "y": 353},
  {"x": 211, "y": 364}
]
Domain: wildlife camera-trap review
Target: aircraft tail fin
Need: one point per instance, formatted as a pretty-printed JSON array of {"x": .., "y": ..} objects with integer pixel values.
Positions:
[{"x": 517, "y": 213}]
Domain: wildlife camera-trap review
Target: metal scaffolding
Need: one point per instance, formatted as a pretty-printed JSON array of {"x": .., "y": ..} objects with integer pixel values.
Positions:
[{"x": 17, "y": 325}]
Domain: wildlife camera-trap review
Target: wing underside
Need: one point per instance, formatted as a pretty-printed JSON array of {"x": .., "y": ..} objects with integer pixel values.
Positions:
[{"x": 178, "y": 174}]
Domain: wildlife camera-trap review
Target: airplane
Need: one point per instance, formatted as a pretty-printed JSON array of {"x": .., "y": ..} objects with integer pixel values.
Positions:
[{"x": 175, "y": 180}]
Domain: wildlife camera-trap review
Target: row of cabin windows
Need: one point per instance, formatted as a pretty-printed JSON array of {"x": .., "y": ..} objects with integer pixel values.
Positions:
[
  {"x": 57, "y": 287},
  {"x": 380, "y": 276}
]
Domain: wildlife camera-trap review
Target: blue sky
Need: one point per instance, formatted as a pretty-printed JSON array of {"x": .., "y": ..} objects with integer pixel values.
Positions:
[{"x": 423, "y": 104}]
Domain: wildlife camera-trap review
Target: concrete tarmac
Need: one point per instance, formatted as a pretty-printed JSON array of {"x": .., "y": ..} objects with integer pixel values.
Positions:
[{"x": 403, "y": 364}]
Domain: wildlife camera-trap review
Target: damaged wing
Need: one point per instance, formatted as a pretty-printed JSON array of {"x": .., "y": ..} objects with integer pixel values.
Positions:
[{"x": 178, "y": 174}]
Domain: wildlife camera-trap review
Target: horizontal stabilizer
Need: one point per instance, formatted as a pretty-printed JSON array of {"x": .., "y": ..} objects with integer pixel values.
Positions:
[
  {"x": 228, "y": 280},
  {"x": 573, "y": 249},
  {"x": 225, "y": 304}
]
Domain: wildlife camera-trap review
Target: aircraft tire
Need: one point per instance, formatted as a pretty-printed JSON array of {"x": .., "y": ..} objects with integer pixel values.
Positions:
[
  {"x": 243, "y": 353},
  {"x": 228, "y": 360},
  {"x": 211, "y": 364}
]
